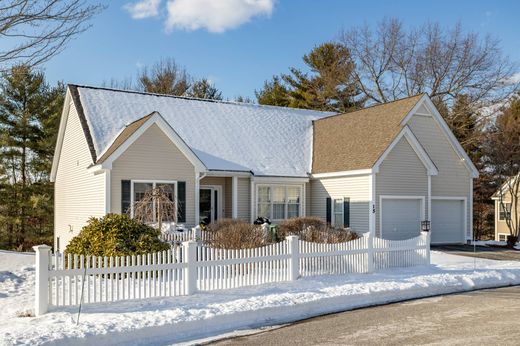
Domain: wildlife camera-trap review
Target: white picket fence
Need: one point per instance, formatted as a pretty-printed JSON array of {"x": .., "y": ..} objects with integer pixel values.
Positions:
[{"x": 67, "y": 280}]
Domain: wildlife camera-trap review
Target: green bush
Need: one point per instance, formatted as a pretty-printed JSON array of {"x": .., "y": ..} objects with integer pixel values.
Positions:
[{"x": 116, "y": 235}]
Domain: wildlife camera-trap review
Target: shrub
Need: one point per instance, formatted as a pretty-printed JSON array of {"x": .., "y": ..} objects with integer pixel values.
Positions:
[
  {"x": 313, "y": 229},
  {"x": 116, "y": 235},
  {"x": 235, "y": 234}
]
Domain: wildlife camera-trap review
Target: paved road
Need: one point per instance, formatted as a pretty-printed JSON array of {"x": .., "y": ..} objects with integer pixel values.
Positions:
[
  {"x": 494, "y": 253},
  {"x": 489, "y": 317}
]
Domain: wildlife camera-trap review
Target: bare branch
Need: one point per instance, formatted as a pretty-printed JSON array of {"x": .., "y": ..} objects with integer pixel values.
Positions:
[{"x": 33, "y": 31}]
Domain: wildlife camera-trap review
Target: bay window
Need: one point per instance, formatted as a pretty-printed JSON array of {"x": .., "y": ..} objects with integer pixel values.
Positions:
[{"x": 278, "y": 202}]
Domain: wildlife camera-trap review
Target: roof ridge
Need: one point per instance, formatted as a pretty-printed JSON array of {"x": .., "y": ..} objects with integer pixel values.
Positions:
[
  {"x": 189, "y": 98},
  {"x": 373, "y": 106}
]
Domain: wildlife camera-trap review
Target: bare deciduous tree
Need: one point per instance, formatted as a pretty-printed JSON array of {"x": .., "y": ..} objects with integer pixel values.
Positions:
[
  {"x": 165, "y": 77},
  {"x": 33, "y": 31},
  {"x": 392, "y": 62},
  {"x": 503, "y": 156},
  {"x": 156, "y": 206}
]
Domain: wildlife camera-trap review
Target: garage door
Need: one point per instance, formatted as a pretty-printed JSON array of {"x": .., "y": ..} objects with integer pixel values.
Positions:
[
  {"x": 401, "y": 218},
  {"x": 447, "y": 221}
]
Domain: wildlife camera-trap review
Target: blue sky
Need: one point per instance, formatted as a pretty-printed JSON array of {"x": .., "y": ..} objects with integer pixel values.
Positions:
[{"x": 240, "y": 58}]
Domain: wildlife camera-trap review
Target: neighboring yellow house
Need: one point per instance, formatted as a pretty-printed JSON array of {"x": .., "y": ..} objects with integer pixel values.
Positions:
[
  {"x": 503, "y": 211},
  {"x": 382, "y": 169}
]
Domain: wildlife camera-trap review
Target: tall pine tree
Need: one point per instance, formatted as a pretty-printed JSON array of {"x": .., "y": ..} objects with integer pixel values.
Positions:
[
  {"x": 29, "y": 113},
  {"x": 329, "y": 84}
]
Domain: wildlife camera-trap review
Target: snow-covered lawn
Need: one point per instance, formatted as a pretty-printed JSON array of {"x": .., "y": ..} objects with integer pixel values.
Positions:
[
  {"x": 163, "y": 321},
  {"x": 493, "y": 243}
]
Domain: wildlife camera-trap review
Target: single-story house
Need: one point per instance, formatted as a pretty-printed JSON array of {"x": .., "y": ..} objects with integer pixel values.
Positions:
[
  {"x": 504, "y": 210},
  {"x": 382, "y": 169}
]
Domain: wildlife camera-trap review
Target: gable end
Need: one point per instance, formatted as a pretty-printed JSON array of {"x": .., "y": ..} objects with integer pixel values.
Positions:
[{"x": 83, "y": 120}]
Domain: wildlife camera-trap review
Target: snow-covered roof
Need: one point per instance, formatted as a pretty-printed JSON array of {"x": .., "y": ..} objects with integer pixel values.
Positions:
[{"x": 229, "y": 136}]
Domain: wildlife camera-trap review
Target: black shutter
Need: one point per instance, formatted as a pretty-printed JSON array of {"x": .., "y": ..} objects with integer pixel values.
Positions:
[
  {"x": 346, "y": 212},
  {"x": 329, "y": 210},
  {"x": 181, "y": 201},
  {"x": 125, "y": 196}
]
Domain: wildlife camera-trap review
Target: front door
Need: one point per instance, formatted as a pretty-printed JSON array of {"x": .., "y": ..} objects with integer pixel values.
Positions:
[{"x": 208, "y": 204}]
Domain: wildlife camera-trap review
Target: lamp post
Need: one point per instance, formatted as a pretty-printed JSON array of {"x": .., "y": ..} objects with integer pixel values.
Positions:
[{"x": 425, "y": 226}]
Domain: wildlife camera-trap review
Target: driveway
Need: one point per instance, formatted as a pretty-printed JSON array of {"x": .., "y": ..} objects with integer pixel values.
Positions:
[
  {"x": 489, "y": 252},
  {"x": 487, "y": 317}
]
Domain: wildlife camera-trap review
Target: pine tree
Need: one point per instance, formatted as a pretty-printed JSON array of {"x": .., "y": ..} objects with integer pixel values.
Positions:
[
  {"x": 274, "y": 93},
  {"x": 29, "y": 112},
  {"x": 204, "y": 89},
  {"x": 329, "y": 85}
]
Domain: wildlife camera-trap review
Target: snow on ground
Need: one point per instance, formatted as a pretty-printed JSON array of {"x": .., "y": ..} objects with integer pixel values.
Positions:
[
  {"x": 493, "y": 243},
  {"x": 169, "y": 320}
]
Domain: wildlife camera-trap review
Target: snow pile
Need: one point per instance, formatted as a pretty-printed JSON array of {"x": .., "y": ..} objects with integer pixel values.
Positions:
[{"x": 177, "y": 319}]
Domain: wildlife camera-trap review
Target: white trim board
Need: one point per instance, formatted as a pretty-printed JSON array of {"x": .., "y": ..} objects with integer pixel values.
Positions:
[
  {"x": 61, "y": 135},
  {"x": 381, "y": 197},
  {"x": 342, "y": 173},
  {"x": 416, "y": 146}
]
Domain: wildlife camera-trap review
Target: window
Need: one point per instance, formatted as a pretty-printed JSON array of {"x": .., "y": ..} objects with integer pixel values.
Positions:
[
  {"x": 140, "y": 188},
  {"x": 278, "y": 202},
  {"x": 505, "y": 211},
  {"x": 502, "y": 237},
  {"x": 338, "y": 212}
]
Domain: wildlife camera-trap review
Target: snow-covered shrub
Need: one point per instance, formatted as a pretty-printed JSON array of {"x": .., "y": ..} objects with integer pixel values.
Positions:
[
  {"x": 116, "y": 235},
  {"x": 234, "y": 234},
  {"x": 315, "y": 230}
]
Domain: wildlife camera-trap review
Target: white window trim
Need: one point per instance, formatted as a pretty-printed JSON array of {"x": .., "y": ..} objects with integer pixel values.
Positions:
[
  {"x": 381, "y": 197},
  {"x": 301, "y": 205},
  {"x": 500, "y": 206},
  {"x": 154, "y": 182},
  {"x": 333, "y": 212},
  {"x": 504, "y": 234}
]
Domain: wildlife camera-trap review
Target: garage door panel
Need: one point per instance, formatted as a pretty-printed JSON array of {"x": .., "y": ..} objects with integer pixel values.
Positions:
[
  {"x": 447, "y": 221},
  {"x": 401, "y": 218}
]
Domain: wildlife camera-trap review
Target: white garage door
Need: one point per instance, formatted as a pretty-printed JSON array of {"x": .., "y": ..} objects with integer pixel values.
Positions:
[
  {"x": 401, "y": 218},
  {"x": 447, "y": 221}
]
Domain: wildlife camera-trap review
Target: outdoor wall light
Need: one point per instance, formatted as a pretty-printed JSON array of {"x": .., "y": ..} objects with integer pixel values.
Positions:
[{"x": 425, "y": 226}]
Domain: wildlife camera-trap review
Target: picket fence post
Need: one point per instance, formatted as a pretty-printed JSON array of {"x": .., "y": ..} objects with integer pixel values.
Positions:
[
  {"x": 197, "y": 233},
  {"x": 294, "y": 252},
  {"x": 428, "y": 241},
  {"x": 190, "y": 258},
  {"x": 370, "y": 253},
  {"x": 41, "y": 296}
]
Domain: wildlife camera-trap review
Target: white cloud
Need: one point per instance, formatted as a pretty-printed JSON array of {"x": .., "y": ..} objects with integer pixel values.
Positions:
[
  {"x": 143, "y": 9},
  {"x": 214, "y": 15}
]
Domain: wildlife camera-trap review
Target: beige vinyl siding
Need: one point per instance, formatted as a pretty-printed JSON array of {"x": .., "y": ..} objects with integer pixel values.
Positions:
[
  {"x": 243, "y": 199},
  {"x": 453, "y": 179},
  {"x": 226, "y": 203},
  {"x": 228, "y": 194},
  {"x": 401, "y": 174},
  {"x": 153, "y": 157},
  {"x": 78, "y": 194},
  {"x": 501, "y": 225},
  {"x": 354, "y": 187}
]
